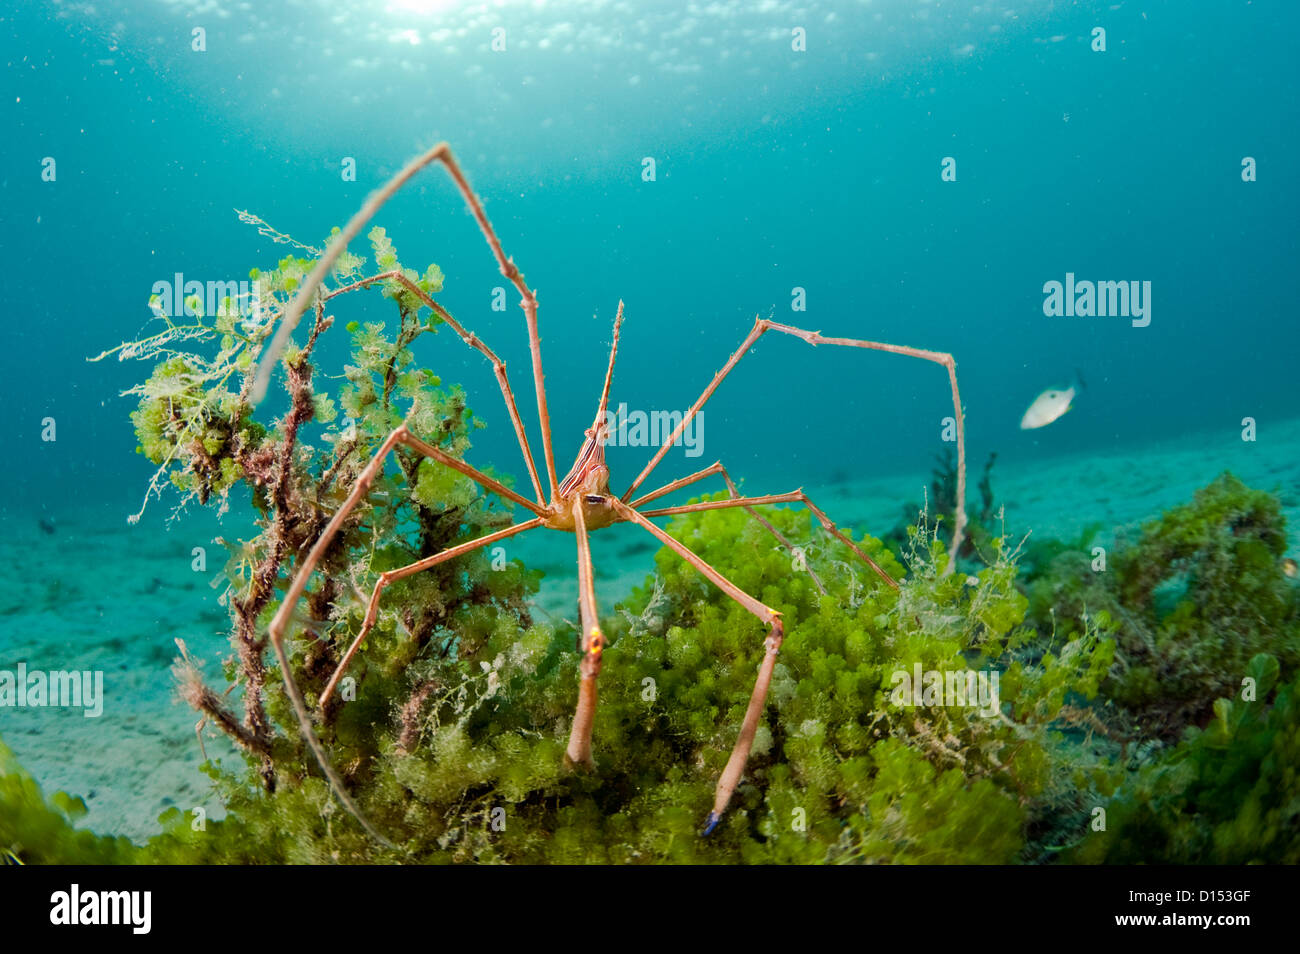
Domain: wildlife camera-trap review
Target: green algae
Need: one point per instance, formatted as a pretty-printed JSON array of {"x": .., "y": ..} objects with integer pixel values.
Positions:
[
  {"x": 1190, "y": 602},
  {"x": 1229, "y": 793},
  {"x": 36, "y": 828}
]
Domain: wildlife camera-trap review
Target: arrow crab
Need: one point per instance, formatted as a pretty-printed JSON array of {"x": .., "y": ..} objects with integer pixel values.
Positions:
[{"x": 579, "y": 503}]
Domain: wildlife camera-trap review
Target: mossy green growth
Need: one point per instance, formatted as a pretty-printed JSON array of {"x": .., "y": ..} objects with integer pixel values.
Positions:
[
  {"x": 1199, "y": 594},
  {"x": 1227, "y": 794},
  {"x": 36, "y": 829},
  {"x": 181, "y": 420}
]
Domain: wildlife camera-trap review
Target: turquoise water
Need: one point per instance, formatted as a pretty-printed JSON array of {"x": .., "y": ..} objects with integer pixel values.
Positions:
[{"x": 776, "y": 169}]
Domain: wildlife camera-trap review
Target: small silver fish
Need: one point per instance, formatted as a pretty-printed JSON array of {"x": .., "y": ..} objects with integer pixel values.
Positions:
[
  {"x": 1050, "y": 405},
  {"x": 1046, "y": 408}
]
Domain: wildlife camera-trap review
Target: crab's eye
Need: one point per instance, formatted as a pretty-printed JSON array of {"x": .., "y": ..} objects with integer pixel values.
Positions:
[{"x": 596, "y": 499}]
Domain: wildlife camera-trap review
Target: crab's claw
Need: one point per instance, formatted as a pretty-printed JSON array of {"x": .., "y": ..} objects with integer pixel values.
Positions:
[{"x": 710, "y": 823}]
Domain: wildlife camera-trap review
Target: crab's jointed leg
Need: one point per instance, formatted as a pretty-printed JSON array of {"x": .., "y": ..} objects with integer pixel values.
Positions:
[
  {"x": 593, "y": 648},
  {"x": 441, "y": 153},
  {"x": 735, "y": 767},
  {"x": 795, "y": 496},
  {"x": 401, "y": 436},
  {"x": 732, "y": 489},
  {"x": 475, "y": 342},
  {"x": 762, "y": 326},
  {"x": 419, "y": 566}
]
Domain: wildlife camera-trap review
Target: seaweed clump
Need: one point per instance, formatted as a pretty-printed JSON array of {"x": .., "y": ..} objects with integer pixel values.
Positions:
[
  {"x": 451, "y": 740},
  {"x": 1199, "y": 594},
  {"x": 40, "y": 829},
  {"x": 1228, "y": 794},
  {"x": 941, "y": 502},
  {"x": 1205, "y": 691},
  {"x": 195, "y": 421}
]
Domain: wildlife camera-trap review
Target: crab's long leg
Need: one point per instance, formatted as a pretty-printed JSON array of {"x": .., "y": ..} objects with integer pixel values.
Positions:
[
  {"x": 391, "y": 576},
  {"x": 277, "y": 629},
  {"x": 593, "y": 648},
  {"x": 475, "y": 342},
  {"x": 795, "y": 496},
  {"x": 735, "y": 495},
  {"x": 735, "y": 767},
  {"x": 679, "y": 483},
  {"x": 763, "y": 325},
  {"x": 528, "y": 302},
  {"x": 442, "y": 153},
  {"x": 609, "y": 373}
]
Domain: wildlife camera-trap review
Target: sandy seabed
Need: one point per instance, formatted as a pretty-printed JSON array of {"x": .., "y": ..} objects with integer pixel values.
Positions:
[{"x": 92, "y": 593}]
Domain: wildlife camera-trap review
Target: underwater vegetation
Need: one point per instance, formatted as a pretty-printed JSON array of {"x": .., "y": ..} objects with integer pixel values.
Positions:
[
  {"x": 978, "y": 528},
  {"x": 838, "y": 772},
  {"x": 1199, "y": 594},
  {"x": 1228, "y": 794},
  {"x": 1159, "y": 691},
  {"x": 40, "y": 829}
]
